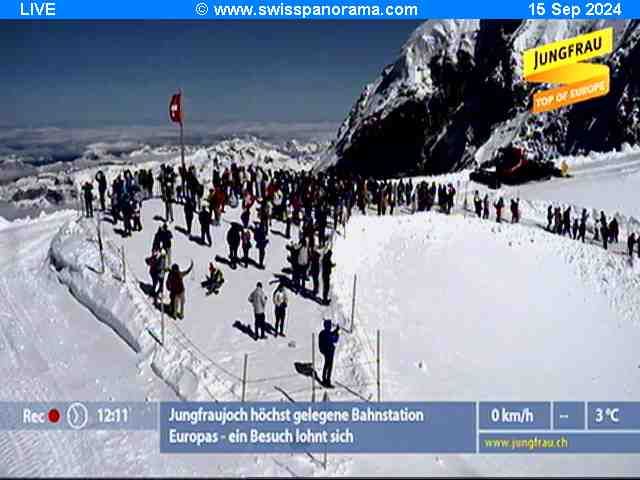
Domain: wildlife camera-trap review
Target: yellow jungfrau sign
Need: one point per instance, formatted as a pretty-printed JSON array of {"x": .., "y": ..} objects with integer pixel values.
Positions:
[{"x": 559, "y": 62}]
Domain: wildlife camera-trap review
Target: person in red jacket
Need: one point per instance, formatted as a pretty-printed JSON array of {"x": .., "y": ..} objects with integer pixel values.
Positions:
[{"x": 175, "y": 285}]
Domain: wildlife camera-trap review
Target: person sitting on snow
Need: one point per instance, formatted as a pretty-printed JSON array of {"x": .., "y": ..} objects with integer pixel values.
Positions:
[{"x": 214, "y": 281}]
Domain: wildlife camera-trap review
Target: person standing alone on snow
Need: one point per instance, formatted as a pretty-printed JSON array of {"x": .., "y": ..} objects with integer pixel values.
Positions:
[
  {"x": 515, "y": 210},
  {"x": 327, "y": 344},
  {"x": 280, "y": 301},
  {"x": 205, "y": 226},
  {"x": 189, "y": 212},
  {"x": 258, "y": 300},
  {"x": 175, "y": 285}
]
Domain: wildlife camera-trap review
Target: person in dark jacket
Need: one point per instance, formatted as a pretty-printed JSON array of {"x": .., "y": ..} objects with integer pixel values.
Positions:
[
  {"x": 233, "y": 240},
  {"x": 102, "y": 188},
  {"x": 175, "y": 285},
  {"x": 499, "y": 205},
  {"x": 576, "y": 228},
  {"x": 327, "y": 267},
  {"x": 604, "y": 230},
  {"x": 156, "y": 263},
  {"x": 582, "y": 231},
  {"x": 485, "y": 207},
  {"x": 327, "y": 340},
  {"x": 614, "y": 230},
  {"x": 165, "y": 238},
  {"x": 477, "y": 203},
  {"x": 631, "y": 243},
  {"x": 189, "y": 213},
  {"x": 550, "y": 217},
  {"x": 515, "y": 210},
  {"x": 245, "y": 217},
  {"x": 261, "y": 239},
  {"x": 127, "y": 216},
  {"x": 314, "y": 270},
  {"x": 88, "y": 199},
  {"x": 205, "y": 225},
  {"x": 245, "y": 241}
]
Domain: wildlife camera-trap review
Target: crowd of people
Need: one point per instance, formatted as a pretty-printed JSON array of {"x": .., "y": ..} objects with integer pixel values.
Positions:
[{"x": 317, "y": 205}]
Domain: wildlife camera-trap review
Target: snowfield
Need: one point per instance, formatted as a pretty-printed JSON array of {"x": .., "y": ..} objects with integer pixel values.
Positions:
[{"x": 462, "y": 301}]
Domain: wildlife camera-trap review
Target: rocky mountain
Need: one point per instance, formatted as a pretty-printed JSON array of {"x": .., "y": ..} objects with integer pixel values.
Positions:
[{"x": 456, "y": 94}]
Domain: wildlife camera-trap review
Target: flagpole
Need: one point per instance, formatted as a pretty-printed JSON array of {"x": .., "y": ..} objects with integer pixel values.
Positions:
[{"x": 182, "y": 132}]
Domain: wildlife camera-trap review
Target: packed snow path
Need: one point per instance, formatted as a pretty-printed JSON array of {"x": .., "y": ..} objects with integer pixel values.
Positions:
[{"x": 221, "y": 326}]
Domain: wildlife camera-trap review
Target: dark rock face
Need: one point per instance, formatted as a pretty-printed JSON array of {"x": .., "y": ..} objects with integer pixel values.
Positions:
[
  {"x": 54, "y": 196},
  {"x": 471, "y": 93},
  {"x": 391, "y": 145},
  {"x": 30, "y": 194}
]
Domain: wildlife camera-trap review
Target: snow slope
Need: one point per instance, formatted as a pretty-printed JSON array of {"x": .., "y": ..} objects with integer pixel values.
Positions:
[
  {"x": 472, "y": 310},
  {"x": 51, "y": 348}
]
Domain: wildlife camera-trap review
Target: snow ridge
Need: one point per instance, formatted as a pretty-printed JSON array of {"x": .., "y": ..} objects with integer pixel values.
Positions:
[{"x": 123, "y": 306}]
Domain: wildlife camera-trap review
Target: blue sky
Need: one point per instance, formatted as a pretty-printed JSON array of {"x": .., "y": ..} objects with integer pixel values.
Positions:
[{"x": 96, "y": 74}]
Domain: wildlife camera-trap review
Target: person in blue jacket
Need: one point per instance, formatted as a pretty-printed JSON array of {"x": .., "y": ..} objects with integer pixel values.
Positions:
[{"x": 327, "y": 343}]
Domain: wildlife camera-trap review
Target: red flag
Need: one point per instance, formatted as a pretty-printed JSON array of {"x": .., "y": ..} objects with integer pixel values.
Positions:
[{"x": 175, "y": 108}]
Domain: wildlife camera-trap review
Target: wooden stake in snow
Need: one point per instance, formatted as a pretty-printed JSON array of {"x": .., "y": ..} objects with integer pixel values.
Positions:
[
  {"x": 353, "y": 302},
  {"x": 80, "y": 203},
  {"x": 244, "y": 377},
  {"x": 124, "y": 267},
  {"x": 313, "y": 367},
  {"x": 378, "y": 361},
  {"x": 162, "y": 315},
  {"x": 98, "y": 226},
  {"x": 325, "y": 398}
]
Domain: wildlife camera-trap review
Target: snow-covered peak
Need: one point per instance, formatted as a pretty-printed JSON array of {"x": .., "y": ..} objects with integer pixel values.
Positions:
[
  {"x": 409, "y": 76},
  {"x": 458, "y": 83}
]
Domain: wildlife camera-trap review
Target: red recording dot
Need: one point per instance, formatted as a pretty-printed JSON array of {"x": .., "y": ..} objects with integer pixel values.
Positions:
[{"x": 54, "y": 415}]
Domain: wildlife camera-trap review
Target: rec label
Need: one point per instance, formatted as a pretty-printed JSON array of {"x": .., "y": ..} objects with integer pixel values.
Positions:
[{"x": 339, "y": 427}]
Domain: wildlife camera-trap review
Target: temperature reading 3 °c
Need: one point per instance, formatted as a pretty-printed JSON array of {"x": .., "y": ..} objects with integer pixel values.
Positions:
[{"x": 610, "y": 414}]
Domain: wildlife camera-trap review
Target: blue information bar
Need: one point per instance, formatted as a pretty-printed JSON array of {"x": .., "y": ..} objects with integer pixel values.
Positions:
[
  {"x": 350, "y": 427},
  {"x": 337, "y": 427},
  {"x": 317, "y": 9}
]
